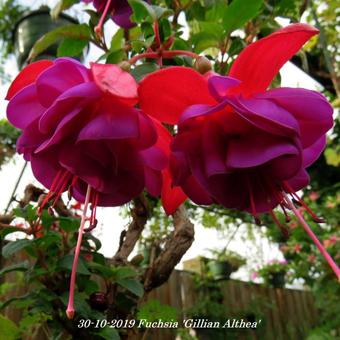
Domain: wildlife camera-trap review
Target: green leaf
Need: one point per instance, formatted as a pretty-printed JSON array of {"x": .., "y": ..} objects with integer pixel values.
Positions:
[
  {"x": 117, "y": 41},
  {"x": 142, "y": 11},
  {"x": 91, "y": 287},
  {"x": 67, "y": 261},
  {"x": 62, "y": 5},
  {"x": 70, "y": 47},
  {"x": 240, "y": 12},
  {"x": 115, "y": 57},
  {"x": 165, "y": 30},
  {"x": 14, "y": 246},
  {"x": 333, "y": 156},
  {"x": 236, "y": 46},
  {"x": 108, "y": 333},
  {"x": 25, "y": 299},
  {"x": 105, "y": 271},
  {"x": 9, "y": 230},
  {"x": 73, "y": 31},
  {"x": 124, "y": 273},
  {"x": 9, "y": 330},
  {"x": 140, "y": 71},
  {"x": 162, "y": 12},
  {"x": 153, "y": 310},
  {"x": 15, "y": 267},
  {"x": 203, "y": 41},
  {"x": 132, "y": 285},
  {"x": 81, "y": 306},
  {"x": 28, "y": 212},
  {"x": 69, "y": 224},
  {"x": 95, "y": 240}
]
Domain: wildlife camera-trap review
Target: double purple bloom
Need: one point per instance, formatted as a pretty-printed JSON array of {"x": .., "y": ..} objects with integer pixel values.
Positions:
[{"x": 80, "y": 128}]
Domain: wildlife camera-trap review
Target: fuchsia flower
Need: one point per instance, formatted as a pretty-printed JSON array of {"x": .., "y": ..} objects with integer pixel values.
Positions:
[
  {"x": 119, "y": 10},
  {"x": 239, "y": 144},
  {"x": 82, "y": 133}
]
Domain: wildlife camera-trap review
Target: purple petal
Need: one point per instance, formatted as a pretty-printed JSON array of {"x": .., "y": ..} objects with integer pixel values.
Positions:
[
  {"x": 154, "y": 158},
  {"x": 76, "y": 98},
  {"x": 219, "y": 85},
  {"x": 200, "y": 110},
  {"x": 24, "y": 107},
  {"x": 153, "y": 181},
  {"x": 214, "y": 149},
  {"x": 147, "y": 131},
  {"x": 113, "y": 120},
  {"x": 45, "y": 166},
  {"x": 300, "y": 180},
  {"x": 256, "y": 149},
  {"x": 68, "y": 126},
  {"x": 57, "y": 79},
  {"x": 30, "y": 139},
  {"x": 266, "y": 115},
  {"x": 310, "y": 109},
  {"x": 193, "y": 189},
  {"x": 313, "y": 152}
]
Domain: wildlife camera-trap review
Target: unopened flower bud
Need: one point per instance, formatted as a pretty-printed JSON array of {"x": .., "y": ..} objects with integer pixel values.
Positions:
[
  {"x": 125, "y": 65},
  {"x": 98, "y": 301},
  {"x": 202, "y": 65}
]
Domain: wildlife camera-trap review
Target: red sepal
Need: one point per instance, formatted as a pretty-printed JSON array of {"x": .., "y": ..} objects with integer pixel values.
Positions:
[
  {"x": 258, "y": 64},
  {"x": 27, "y": 76}
]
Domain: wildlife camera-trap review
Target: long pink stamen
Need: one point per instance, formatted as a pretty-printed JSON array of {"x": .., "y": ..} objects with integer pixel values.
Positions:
[
  {"x": 70, "y": 306},
  {"x": 99, "y": 28},
  {"x": 63, "y": 184},
  {"x": 51, "y": 192},
  {"x": 301, "y": 201},
  {"x": 309, "y": 231},
  {"x": 252, "y": 202}
]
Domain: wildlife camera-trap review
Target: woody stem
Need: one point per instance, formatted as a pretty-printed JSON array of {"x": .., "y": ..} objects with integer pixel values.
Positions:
[{"x": 70, "y": 306}]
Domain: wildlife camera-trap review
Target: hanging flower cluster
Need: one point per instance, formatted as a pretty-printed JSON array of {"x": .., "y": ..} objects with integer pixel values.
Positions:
[{"x": 100, "y": 135}]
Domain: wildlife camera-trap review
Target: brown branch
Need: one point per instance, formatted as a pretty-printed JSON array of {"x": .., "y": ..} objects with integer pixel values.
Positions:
[
  {"x": 174, "y": 249},
  {"x": 129, "y": 237}
]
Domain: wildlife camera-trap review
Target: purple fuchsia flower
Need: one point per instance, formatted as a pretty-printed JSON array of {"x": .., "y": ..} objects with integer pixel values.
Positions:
[
  {"x": 239, "y": 144},
  {"x": 81, "y": 133},
  {"x": 119, "y": 10}
]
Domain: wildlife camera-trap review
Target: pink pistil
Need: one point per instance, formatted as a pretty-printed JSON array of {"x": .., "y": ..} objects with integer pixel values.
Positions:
[
  {"x": 70, "y": 306},
  {"x": 99, "y": 28},
  {"x": 309, "y": 231}
]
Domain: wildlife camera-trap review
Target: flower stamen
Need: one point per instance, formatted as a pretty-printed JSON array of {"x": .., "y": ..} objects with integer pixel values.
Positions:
[
  {"x": 301, "y": 202},
  {"x": 310, "y": 233}
]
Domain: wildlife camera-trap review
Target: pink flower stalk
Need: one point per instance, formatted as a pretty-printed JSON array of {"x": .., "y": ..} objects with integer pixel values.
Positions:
[
  {"x": 82, "y": 134},
  {"x": 239, "y": 144}
]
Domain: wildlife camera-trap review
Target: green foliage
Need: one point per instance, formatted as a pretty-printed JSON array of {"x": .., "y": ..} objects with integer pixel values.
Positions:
[
  {"x": 240, "y": 12},
  {"x": 62, "y": 5},
  {"x": 70, "y": 33},
  {"x": 12, "y": 247},
  {"x": 143, "y": 12},
  {"x": 225, "y": 255},
  {"x": 9, "y": 330},
  {"x": 8, "y": 137},
  {"x": 153, "y": 310}
]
